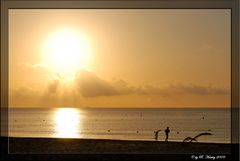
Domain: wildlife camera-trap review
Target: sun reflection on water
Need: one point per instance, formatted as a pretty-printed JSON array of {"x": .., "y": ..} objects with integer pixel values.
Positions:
[{"x": 67, "y": 123}]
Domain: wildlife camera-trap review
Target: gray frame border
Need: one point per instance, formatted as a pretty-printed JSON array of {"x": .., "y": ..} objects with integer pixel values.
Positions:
[{"x": 127, "y": 4}]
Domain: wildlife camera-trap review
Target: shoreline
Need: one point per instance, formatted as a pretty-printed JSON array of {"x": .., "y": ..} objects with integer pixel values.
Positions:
[{"x": 23, "y": 145}]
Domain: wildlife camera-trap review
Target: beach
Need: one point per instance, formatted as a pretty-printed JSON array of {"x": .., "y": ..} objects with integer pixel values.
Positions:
[
  {"x": 103, "y": 146},
  {"x": 39, "y": 149}
]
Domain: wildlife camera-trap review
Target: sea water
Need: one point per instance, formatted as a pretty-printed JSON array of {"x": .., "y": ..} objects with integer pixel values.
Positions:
[{"x": 121, "y": 123}]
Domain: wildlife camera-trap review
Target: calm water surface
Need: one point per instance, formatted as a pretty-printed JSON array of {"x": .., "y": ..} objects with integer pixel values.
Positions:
[{"x": 124, "y": 124}]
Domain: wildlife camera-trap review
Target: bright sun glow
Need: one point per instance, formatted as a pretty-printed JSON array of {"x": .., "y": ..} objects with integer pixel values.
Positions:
[
  {"x": 67, "y": 121},
  {"x": 66, "y": 51}
]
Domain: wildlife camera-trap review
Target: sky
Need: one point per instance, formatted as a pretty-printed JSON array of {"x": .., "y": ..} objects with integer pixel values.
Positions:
[{"x": 119, "y": 58}]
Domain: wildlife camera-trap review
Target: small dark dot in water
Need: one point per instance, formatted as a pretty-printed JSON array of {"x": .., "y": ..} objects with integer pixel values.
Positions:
[
  {"x": 108, "y": 130},
  {"x": 43, "y": 120},
  {"x": 209, "y": 129},
  {"x": 177, "y": 132},
  {"x": 15, "y": 120},
  {"x": 202, "y": 117},
  {"x": 137, "y": 131}
]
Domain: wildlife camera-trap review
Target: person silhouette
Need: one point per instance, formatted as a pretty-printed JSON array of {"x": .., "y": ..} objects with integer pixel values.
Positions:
[
  {"x": 156, "y": 134},
  {"x": 167, "y": 131}
]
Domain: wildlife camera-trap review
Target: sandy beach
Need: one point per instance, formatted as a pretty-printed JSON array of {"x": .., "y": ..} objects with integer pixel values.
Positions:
[
  {"x": 39, "y": 149},
  {"x": 100, "y": 146}
]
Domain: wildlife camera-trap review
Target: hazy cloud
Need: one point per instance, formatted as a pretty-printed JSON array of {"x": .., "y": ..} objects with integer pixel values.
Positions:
[
  {"x": 209, "y": 48},
  {"x": 53, "y": 86},
  {"x": 89, "y": 85},
  {"x": 196, "y": 90},
  {"x": 37, "y": 65},
  {"x": 25, "y": 95}
]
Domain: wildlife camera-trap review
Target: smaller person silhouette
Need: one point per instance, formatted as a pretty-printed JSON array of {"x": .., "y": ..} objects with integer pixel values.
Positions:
[
  {"x": 167, "y": 131},
  {"x": 156, "y": 134}
]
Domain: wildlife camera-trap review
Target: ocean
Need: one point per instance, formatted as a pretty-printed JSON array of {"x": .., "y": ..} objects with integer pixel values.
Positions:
[{"x": 121, "y": 123}]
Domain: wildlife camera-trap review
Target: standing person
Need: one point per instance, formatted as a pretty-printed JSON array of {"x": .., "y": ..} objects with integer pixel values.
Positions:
[{"x": 167, "y": 131}]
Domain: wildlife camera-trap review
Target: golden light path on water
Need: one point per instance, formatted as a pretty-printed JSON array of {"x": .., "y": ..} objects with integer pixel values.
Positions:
[{"x": 67, "y": 123}]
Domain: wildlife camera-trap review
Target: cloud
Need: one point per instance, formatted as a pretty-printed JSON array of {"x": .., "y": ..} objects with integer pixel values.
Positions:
[
  {"x": 23, "y": 97},
  {"x": 209, "y": 48},
  {"x": 24, "y": 93},
  {"x": 197, "y": 90},
  {"x": 89, "y": 85},
  {"x": 53, "y": 86},
  {"x": 148, "y": 89},
  {"x": 37, "y": 65}
]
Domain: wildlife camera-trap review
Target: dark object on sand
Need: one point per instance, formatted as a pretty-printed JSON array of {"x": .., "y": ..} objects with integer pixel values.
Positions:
[
  {"x": 167, "y": 131},
  {"x": 190, "y": 139},
  {"x": 156, "y": 134}
]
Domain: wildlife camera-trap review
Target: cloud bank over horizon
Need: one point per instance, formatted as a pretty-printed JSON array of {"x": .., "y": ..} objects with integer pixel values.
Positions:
[{"x": 86, "y": 86}]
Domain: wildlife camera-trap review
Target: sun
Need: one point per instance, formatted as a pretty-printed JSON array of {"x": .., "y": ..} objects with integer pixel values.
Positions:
[{"x": 66, "y": 51}]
